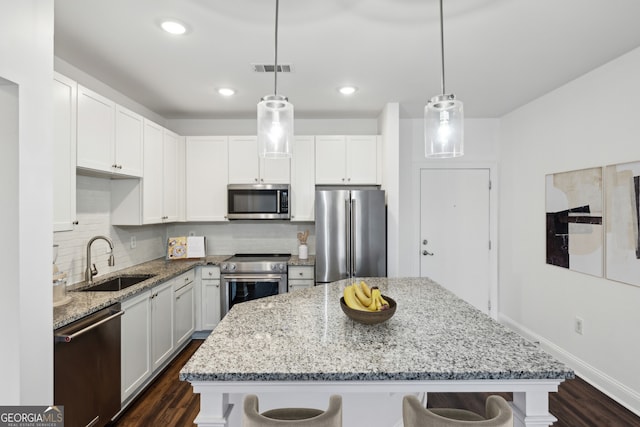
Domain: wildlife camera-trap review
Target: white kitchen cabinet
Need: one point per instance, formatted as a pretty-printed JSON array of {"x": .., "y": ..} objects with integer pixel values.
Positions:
[
  {"x": 347, "y": 160},
  {"x": 184, "y": 308},
  {"x": 64, "y": 152},
  {"x": 301, "y": 277},
  {"x": 303, "y": 179},
  {"x": 135, "y": 343},
  {"x": 161, "y": 323},
  {"x": 211, "y": 297},
  {"x": 207, "y": 177},
  {"x": 154, "y": 199},
  {"x": 246, "y": 167},
  {"x": 128, "y": 142},
  {"x": 153, "y": 177},
  {"x": 109, "y": 137},
  {"x": 172, "y": 143}
]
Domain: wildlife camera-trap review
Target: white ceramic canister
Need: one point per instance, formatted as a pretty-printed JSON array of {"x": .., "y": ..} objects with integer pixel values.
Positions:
[{"x": 303, "y": 252}]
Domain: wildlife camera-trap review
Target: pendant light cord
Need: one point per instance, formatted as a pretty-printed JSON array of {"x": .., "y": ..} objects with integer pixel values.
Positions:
[
  {"x": 275, "y": 65},
  {"x": 441, "y": 43}
]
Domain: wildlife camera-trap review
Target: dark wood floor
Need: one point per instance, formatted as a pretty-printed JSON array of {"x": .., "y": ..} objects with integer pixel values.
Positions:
[{"x": 171, "y": 402}]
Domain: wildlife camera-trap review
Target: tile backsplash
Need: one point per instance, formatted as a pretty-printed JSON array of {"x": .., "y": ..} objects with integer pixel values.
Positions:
[{"x": 93, "y": 208}]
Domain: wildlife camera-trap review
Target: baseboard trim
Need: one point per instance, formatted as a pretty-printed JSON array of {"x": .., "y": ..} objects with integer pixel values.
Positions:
[{"x": 613, "y": 388}]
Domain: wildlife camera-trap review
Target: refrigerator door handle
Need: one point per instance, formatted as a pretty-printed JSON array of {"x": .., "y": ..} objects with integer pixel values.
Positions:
[
  {"x": 353, "y": 238},
  {"x": 347, "y": 215}
]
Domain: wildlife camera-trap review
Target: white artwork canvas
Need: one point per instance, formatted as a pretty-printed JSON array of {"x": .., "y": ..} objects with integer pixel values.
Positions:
[
  {"x": 574, "y": 220},
  {"x": 622, "y": 220}
]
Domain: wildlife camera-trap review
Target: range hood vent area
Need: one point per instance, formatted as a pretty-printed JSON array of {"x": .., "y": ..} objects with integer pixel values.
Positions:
[{"x": 268, "y": 68}]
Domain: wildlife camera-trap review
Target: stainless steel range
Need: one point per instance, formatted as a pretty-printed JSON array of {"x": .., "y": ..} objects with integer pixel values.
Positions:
[{"x": 251, "y": 276}]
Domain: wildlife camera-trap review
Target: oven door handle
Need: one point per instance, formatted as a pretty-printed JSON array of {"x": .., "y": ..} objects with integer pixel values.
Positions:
[{"x": 245, "y": 278}]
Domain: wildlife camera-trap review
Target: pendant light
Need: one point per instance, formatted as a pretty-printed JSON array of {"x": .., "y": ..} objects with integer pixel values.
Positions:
[
  {"x": 443, "y": 118},
  {"x": 275, "y": 117}
]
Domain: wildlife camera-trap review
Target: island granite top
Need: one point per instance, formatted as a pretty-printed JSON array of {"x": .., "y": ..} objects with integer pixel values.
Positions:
[{"x": 305, "y": 336}]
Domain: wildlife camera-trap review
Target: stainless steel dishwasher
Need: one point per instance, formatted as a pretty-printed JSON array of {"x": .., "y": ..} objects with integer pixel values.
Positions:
[{"x": 87, "y": 368}]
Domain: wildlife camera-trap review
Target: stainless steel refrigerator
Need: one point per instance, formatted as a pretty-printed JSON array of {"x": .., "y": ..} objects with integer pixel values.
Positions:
[{"x": 351, "y": 235}]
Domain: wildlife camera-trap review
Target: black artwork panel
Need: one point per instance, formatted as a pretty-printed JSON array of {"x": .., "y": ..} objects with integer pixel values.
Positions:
[{"x": 558, "y": 233}]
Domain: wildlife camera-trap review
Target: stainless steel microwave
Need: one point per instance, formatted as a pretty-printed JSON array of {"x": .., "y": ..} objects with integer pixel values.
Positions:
[{"x": 258, "y": 201}]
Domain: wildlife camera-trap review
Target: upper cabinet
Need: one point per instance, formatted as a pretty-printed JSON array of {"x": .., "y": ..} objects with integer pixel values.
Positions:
[
  {"x": 206, "y": 178},
  {"x": 156, "y": 198},
  {"x": 109, "y": 137},
  {"x": 303, "y": 178},
  {"x": 245, "y": 167},
  {"x": 64, "y": 153},
  {"x": 347, "y": 160}
]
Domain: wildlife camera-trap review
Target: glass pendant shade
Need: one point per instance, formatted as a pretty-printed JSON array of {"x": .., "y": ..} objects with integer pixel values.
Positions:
[
  {"x": 275, "y": 127},
  {"x": 444, "y": 127}
]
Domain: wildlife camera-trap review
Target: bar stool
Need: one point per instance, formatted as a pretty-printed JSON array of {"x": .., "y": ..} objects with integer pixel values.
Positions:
[
  {"x": 304, "y": 417},
  {"x": 498, "y": 412}
]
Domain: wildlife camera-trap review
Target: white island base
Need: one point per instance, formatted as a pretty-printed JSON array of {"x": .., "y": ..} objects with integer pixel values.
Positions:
[{"x": 367, "y": 403}]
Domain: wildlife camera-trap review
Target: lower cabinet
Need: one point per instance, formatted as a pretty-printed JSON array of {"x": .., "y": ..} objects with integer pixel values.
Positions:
[
  {"x": 161, "y": 323},
  {"x": 135, "y": 339},
  {"x": 147, "y": 332},
  {"x": 210, "y": 280},
  {"x": 184, "y": 308},
  {"x": 301, "y": 276}
]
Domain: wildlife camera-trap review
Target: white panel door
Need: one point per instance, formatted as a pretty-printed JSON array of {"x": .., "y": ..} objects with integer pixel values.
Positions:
[
  {"x": 362, "y": 159},
  {"x": 454, "y": 232},
  {"x": 244, "y": 164},
  {"x": 128, "y": 142}
]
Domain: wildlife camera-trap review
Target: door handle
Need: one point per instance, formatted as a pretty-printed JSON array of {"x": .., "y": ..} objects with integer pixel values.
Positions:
[{"x": 426, "y": 252}]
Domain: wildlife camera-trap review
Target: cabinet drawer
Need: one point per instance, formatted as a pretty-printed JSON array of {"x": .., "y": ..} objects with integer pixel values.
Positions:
[
  {"x": 210, "y": 272},
  {"x": 300, "y": 284},
  {"x": 297, "y": 272},
  {"x": 185, "y": 278}
]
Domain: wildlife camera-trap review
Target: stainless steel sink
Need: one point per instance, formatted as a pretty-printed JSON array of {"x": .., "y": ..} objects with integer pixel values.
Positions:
[{"x": 118, "y": 283}]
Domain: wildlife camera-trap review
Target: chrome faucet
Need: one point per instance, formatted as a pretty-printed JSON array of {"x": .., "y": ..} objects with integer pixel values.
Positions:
[{"x": 91, "y": 268}]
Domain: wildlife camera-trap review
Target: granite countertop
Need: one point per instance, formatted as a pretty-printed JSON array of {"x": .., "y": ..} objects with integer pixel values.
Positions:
[
  {"x": 305, "y": 336},
  {"x": 295, "y": 261},
  {"x": 85, "y": 303}
]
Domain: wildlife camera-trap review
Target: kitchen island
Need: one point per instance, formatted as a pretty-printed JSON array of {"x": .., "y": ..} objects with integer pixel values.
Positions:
[{"x": 296, "y": 349}]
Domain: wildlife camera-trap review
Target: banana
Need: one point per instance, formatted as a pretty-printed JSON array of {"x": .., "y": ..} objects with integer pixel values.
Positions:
[
  {"x": 366, "y": 301},
  {"x": 373, "y": 306},
  {"x": 365, "y": 288},
  {"x": 351, "y": 300},
  {"x": 384, "y": 302}
]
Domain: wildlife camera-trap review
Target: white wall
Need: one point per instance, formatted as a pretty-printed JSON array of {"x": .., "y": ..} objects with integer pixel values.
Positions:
[
  {"x": 390, "y": 130},
  {"x": 481, "y": 150},
  {"x": 590, "y": 122},
  {"x": 26, "y": 358}
]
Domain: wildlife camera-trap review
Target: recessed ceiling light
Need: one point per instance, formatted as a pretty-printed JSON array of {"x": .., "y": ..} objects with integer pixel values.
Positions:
[
  {"x": 173, "y": 27},
  {"x": 226, "y": 91},
  {"x": 347, "y": 90}
]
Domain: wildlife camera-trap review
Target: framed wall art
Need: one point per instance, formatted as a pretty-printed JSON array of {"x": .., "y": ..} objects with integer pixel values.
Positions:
[
  {"x": 622, "y": 192},
  {"x": 574, "y": 220}
]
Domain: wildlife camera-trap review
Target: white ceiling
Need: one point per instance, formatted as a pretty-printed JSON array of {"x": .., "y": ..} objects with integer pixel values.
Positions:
[{"x": 499, "y": 54}]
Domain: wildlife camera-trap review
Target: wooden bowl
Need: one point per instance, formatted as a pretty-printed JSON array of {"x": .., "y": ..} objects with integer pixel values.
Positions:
[{"x": 369, "y": 317}]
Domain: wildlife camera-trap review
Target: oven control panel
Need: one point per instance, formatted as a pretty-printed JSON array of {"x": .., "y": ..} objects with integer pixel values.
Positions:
[{"x": 279, "y": 267}]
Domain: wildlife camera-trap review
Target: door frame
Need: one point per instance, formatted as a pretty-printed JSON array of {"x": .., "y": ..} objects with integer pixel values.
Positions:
[{"x": 493, "y": 220}]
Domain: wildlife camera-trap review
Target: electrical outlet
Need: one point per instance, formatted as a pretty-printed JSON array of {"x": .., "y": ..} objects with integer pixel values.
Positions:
[
  {"x": 578, "y": 325},
  {"x": 133, "y": 242},
  {"x": 192, "y": 233}
]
